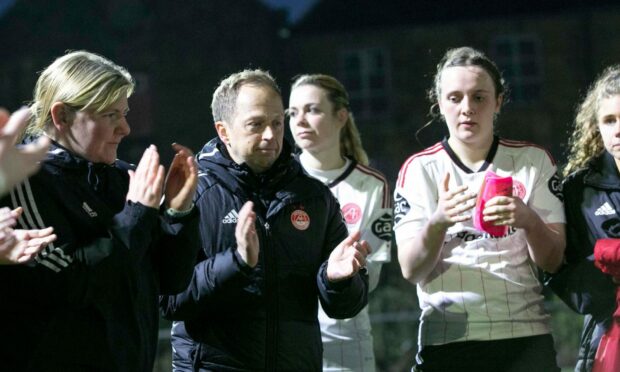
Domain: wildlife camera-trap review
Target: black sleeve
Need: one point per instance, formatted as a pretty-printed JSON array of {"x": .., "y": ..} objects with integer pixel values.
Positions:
[
  {"x": 132, "y": 229},
  {"x": 218, "y": 273},
  {"x": 176, "y": 250},
  {"x": 211, "y": 285},
  {"x": 343, "y": 299},
  {"x": 581, "y": 285}
]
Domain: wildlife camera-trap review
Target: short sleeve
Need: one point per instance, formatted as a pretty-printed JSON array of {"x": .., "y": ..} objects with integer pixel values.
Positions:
[
  {"x": 415, "y": 199},
  {"x": 547, "y": 199}
]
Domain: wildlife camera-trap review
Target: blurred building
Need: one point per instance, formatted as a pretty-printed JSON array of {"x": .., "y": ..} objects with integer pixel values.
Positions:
[
  {"x": 386, "y": 52},
  {"x": 177, "y": 51}
]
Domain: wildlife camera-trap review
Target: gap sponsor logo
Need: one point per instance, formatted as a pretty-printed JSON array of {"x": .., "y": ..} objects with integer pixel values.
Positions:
[
  {"x": 555, "y": 186},
  {"x": 401, "y": 207},
  {"x": 382, "y": 227}
]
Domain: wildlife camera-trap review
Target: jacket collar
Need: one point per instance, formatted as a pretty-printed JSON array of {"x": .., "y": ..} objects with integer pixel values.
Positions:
[
  {"x": 215, "y": 157},
  {"x": 60, "y": 156},
  {"x": 603, "y": 172},
  {"x": 104, "y": 179}
]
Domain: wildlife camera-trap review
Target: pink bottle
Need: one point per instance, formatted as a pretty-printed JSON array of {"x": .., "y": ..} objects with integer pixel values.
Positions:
[{"x": 492, "y": 185}]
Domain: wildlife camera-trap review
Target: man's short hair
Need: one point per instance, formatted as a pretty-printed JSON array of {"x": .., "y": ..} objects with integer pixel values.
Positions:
[{"x": 225, "y": 96}]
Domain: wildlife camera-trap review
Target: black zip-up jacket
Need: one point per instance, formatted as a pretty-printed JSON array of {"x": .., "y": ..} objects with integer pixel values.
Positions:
[
  {"x": 263, "y": 318},
  {"x": 90, "y": 301},
  {"x": 592, "y": 203}
]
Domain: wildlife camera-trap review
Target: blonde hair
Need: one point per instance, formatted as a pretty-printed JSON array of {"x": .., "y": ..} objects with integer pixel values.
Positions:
[
  {"x": 225, "y": 96},
  {"x": 350, "y": 139},
  {"x": 586, "y": 142},
  {"x": 83, "y": 81}
]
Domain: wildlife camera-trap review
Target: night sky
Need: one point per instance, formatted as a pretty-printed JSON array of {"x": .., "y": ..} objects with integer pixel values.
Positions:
[{"x": 296, "y": 8}]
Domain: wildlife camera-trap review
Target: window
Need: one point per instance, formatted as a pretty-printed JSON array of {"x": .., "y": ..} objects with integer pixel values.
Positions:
[
  {"x": 519, "y": 59},
  {"x": 364, "y": 73}
]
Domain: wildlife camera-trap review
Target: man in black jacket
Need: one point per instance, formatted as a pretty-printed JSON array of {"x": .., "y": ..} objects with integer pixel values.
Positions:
[{"x": 273, "y": 240}]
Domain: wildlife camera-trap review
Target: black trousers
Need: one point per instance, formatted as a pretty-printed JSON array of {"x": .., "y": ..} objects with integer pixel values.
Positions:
[{"x": 525, "y": 354}]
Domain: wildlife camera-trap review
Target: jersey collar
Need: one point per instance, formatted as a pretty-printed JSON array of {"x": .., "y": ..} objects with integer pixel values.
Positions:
[{"x": 459, "y": 163}]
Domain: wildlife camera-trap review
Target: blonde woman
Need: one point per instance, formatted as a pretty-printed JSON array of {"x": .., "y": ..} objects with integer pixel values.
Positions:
[
  {"x": 331, "y": 151},
  {"x": 591, "y": 200},
  {"x": 89, "y": 301}
]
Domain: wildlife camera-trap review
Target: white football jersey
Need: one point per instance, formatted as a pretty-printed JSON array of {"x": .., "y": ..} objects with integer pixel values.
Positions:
[
  {"x": 365, "y": 202},
  {"x": 482, "y": 288}
]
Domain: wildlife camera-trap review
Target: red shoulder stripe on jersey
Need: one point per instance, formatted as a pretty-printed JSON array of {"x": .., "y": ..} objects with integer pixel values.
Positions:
[
  {"x": 521, "y": 144},
  {"x": 378, "y": 175},
  {"x": 429, "y": 151}
]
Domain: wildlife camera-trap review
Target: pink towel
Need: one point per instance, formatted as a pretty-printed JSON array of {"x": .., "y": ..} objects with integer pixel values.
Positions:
[{"x": 607, "y": 258}]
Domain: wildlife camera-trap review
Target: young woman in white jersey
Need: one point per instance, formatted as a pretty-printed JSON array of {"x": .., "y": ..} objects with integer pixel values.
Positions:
[
  {"x": 481, "y": 302},
  {"x": 323, "y": 128}
]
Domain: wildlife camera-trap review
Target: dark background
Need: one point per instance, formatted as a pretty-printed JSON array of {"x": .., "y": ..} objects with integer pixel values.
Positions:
[{"x": 385, "y": 52}]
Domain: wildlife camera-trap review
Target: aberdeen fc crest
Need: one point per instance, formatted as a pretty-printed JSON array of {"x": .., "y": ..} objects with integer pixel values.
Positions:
[
  {"x": 300, "y": 219},
  {"x": 352, "y": 213},
  {"x": 518, "y": 189}
]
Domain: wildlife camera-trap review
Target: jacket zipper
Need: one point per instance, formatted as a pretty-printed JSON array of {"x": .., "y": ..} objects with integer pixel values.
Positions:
[{"x": 271, "y": 299}]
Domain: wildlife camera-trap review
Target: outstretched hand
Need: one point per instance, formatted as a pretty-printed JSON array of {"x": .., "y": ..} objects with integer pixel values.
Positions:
[
  {"x": 147, "y": 181},
  {"x": 453, "y": 203},
  {"x": 347, "y": 258},
  {"x": 17, "y": 163},
  {"x": 182, "y": 179},
  {"x": 20, "y": 246}
]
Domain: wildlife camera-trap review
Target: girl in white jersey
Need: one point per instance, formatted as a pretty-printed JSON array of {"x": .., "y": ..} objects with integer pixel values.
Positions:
[
  {"x": 481, "y": 302},
  {"x": 324, "y": 130}
]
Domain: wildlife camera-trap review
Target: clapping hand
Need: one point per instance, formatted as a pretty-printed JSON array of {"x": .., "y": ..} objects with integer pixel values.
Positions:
[
  {"x": 147, "y": 181},
  {"x": 18, "y": 163},
  {"x": 20, "y": 246},
  {"x": 453, "y": 203},
  {"x": 182, "y": 179},
  {"x": 347, "y": 258},
  {"x": 245, "y": 233}
]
